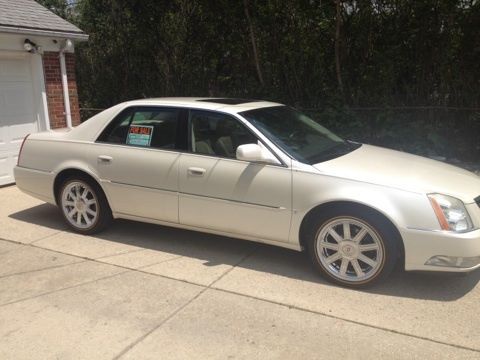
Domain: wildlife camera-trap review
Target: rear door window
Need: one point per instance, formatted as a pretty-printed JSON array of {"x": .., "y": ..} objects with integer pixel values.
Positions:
[{"x": 152, "y": 127}]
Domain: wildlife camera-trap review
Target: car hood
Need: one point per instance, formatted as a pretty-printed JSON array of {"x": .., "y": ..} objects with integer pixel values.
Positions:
[{"x": 409, "y": 172}]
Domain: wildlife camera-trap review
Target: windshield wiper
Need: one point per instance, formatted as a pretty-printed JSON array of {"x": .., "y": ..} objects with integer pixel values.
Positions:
[{"x": 334, "y": 152}]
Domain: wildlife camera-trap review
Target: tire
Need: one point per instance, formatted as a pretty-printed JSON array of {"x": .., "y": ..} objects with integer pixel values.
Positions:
[
  {"x": 352, "y": 248},
  {"x": 81, "y": 197}
]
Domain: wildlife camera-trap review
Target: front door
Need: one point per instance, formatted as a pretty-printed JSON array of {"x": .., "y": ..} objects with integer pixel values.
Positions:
[
  {"x": 217, "y": 191},
  {"x": 137, "y": 160}
]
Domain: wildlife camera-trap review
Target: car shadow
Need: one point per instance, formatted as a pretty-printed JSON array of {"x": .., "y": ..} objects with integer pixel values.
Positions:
[{"x": 215, "y": 250}]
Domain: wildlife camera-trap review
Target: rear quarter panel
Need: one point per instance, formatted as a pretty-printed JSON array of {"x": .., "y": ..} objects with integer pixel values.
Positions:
[{"x": 41, "y": 160}]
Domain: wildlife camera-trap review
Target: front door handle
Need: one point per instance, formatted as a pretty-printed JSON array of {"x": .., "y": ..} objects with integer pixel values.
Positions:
[
  {"x": 105, "y": 158},
  {"x": 195, "y": 171}
]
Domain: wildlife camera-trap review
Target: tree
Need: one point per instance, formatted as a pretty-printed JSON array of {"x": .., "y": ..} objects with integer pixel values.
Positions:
[
  {"x": 254, "y": 42},
  {"x": 334, "y": 56},
  {"x": 59, "y": 7}
]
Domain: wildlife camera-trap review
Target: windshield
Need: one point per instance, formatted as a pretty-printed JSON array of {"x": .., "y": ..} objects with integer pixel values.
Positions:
[{"x": 297, "y": 134}]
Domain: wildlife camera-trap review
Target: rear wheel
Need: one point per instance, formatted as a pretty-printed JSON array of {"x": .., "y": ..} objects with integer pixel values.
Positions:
[
  {"x": 351, "y": 248},
  {"x": 84, "y": 206}
]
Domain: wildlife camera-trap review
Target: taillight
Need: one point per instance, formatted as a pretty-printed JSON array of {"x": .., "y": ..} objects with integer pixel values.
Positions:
[{"x": 21, "y": 148}]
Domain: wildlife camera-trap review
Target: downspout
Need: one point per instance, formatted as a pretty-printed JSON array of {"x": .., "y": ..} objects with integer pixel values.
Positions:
[{"x": 63, "y": 68}]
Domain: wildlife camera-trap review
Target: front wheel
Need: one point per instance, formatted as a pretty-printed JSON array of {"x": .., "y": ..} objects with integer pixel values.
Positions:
[
  {"x": 352, "y": 249},
  {"x": 84, "y": 206}
]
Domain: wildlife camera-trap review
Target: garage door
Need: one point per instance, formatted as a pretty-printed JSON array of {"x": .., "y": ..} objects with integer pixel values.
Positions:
[{"x": 17, "y": 111}]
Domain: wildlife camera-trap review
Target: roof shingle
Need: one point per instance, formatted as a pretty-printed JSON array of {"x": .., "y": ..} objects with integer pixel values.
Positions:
[{"x": 28, "y": 14}]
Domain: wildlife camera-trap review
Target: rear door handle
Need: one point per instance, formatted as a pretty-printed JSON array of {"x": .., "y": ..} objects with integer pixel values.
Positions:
[
  {"x": 195, "y": 171},
  {"x": 105, "y": 158}
]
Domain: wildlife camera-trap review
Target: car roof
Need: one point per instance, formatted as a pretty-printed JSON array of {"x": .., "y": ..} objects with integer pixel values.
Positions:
[{"x": 231, "y": 105}]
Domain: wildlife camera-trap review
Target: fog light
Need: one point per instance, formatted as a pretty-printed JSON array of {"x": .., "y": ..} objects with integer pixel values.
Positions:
[{"x": 453, "y": 261}]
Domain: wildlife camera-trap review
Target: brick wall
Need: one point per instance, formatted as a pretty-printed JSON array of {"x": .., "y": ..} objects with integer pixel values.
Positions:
[{"x": 53, "y": 86}]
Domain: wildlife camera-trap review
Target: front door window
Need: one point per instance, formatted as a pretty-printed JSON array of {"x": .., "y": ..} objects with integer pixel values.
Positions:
[{"x": 217, "y": 134}]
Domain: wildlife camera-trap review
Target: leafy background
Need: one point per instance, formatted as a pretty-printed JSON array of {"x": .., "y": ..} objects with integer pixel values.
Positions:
[{"x": 398, "y": 73}]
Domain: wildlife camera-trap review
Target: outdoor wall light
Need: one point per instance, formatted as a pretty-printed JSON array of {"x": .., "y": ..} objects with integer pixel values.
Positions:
[
  {"x": 67, "y": 45},
  {"x": 30, "y": 46}
]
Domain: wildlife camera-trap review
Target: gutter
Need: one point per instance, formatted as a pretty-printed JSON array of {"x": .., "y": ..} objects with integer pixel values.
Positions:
[{"x": 39, "y": 32}]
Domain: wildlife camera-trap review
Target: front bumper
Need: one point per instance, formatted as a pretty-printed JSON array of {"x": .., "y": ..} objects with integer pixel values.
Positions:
[{"x": 421, "y": 246}]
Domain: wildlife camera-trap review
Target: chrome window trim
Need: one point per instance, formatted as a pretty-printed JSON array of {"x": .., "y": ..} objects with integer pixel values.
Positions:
[{"x": 284, "y": 158}]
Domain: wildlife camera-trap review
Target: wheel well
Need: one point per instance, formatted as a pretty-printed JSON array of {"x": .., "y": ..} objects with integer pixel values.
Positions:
[
  {"x": 67, "y": 173},
  {"x": 325, "y": 208}
]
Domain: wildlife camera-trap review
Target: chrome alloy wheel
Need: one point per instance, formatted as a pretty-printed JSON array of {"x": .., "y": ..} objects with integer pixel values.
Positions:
[
  {"x": 350, "y": 249},
  {"x": 80, "y": 205}
]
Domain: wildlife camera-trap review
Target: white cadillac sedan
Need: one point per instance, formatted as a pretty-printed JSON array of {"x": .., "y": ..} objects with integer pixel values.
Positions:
[{"x": 259, "y": 171}]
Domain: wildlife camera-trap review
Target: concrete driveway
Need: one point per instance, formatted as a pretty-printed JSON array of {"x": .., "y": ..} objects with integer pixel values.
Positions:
[{"x": 143, "y": 291}]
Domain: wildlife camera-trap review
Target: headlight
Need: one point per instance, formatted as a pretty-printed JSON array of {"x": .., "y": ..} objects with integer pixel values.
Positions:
[{"x": 451, "y": 213}]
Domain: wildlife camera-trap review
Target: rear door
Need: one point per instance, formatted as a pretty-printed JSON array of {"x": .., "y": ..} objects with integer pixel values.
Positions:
[{"x": 137, "y": 159}]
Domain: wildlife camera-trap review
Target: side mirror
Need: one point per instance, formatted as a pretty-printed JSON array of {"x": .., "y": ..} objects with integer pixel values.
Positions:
[{"x": 255, "y": 153}]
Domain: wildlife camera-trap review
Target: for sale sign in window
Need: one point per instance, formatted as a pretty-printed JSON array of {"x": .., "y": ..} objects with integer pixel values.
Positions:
[{"x": 140, "y": 135}]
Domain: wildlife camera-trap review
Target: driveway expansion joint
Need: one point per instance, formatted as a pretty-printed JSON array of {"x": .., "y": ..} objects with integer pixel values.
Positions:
[
  {"x": 319, "y": 313},
  {"x": 63, "y": 289},
  {"x": 119, "y": 254},
  {"x": 151, "y": 331},
  {"x": 245, "y": 257},
  {"x": 46, "y": 237},
  {"x": 42, "y": 269},
  {"x": 161, "y": 262}
]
